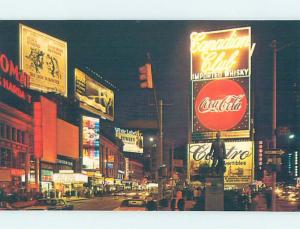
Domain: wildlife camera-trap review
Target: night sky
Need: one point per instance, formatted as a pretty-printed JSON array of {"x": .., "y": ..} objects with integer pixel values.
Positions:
[{"x": 116, "y": 49}]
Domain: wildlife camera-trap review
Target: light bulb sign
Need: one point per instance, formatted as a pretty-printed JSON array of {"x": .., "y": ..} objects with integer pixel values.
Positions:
[
  {"x": 221, "y": 54},
  {"x": 221, "y": 105},
  {"x": 238, "y": 162}
]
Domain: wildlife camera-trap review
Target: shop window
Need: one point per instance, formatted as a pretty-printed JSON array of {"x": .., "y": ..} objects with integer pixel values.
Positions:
[
  {"x": 13, "y": 134},
  {"x": 2, "y": 130},
  {"x": 8, "y": 132}
]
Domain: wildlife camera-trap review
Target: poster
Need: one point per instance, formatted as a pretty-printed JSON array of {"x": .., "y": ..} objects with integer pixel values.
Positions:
[
  {"x": 132, "y": 140},
  {"x": 44, "y": 59},
  {"x": 238, "y": 162},
  {"x": 93, "y": 96}
]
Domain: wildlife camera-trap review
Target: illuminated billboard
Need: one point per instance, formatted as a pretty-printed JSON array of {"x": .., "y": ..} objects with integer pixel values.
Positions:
[
  {"x": 221, "y": 105},
  {"x": 90, "y": 143},
  {"x": 93, "y": 96},
  {"x": 132, "y": 140},
  {"x": 221, "y": 54},
  {"x": 238, "y": 161},
  {"x": 44, "y": 59}
]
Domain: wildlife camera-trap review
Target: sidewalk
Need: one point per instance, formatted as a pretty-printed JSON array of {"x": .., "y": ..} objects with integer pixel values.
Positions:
[{"x": 73, "y": 198}]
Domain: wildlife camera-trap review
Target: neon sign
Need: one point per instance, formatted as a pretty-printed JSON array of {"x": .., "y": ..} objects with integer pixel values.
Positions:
[
  {"x": 221, "y": 54},
  {"x": 13, "y": 80}
]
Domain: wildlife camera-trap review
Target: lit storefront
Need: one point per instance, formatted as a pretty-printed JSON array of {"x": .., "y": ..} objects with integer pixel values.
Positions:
[{"x": 67, "y": 181}]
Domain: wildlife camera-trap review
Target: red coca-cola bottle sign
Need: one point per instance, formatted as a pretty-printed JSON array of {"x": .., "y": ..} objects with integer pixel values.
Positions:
[{"x": 221, "y": 105}]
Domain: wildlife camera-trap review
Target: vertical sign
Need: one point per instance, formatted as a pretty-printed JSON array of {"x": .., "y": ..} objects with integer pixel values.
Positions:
[
  {"x": 90, "y": 143},
  {"x": 220, "y": 74}
]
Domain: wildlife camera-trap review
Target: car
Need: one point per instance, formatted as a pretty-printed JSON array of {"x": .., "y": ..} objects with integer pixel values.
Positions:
[
  {"x": 6, "y": 206},
  {"x": 132, "y": 205},
  {"x": 50, "y": 204}
]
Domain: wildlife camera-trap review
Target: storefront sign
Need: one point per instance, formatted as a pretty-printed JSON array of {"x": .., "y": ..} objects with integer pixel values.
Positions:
[
  {"x": 132, "y": 140},
  {"x": 44, "y": 58},
  {"x": 65, "y": 162},
  {"x": 90, "y": 142},
  {"x": 221, "y": 105},
  {"x": 219, "y": 54},
  {"x": 93, "y": 96},
  {"x": 69, "y": 178},
  {"x": 238, "y": 161},
  {"x": 12, "y": 79}
]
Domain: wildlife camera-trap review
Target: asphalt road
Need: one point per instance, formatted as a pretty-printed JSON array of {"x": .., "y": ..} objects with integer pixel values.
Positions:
[{"x": 107, "y": 203}]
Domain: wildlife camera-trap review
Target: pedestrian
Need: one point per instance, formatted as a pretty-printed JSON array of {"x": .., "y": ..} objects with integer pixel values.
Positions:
[
  {"x": 173, "y": 205},
  {"x": 181, "y": 205},
  {"x": 151, "y": 206}
]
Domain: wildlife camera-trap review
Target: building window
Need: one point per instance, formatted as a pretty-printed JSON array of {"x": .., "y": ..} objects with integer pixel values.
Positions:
[
  {"x": 23, "y": 137},
  {"x": 13, "y": 134},
  {"x": 8, "y": 132},
  {"x": 5, "y": 157},
  {"x": 21, "y": 160},
  {"x": 2, "y": 130},
  {"x": 19, "y": 136}
]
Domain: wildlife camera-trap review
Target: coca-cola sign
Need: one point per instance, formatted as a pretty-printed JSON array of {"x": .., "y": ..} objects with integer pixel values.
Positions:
[
  {"x": 221, "y": 105},
  {"x": 238, "y": 161}
]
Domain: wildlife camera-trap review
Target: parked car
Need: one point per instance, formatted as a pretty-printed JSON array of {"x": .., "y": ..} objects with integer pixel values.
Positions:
[
  {"x": 50, "y": 204},
  {"x": 6, "y": 206},
  {"x": 132, "y": 205}
]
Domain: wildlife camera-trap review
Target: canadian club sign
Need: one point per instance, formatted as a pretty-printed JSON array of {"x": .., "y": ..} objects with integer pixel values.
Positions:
[
  {"x": 221, "y": 54},
  {"x": 221, "y": 105},
  {"x": 238, "y": 162}
]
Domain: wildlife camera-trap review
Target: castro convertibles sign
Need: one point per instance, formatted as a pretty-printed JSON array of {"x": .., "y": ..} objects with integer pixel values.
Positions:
[
  {"x": 221, "y": 105},
  {"x": 219, "y": 54},
  {"x": 239, "y": 161}
]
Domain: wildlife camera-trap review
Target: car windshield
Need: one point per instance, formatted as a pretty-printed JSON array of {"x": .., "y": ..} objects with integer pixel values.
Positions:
[{"x": 133, "y": 203}]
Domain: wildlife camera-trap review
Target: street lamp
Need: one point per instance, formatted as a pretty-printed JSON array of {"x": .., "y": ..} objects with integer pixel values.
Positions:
[
  {"x": 151, "y": 139},
  {"x": 291, "y": 136}
]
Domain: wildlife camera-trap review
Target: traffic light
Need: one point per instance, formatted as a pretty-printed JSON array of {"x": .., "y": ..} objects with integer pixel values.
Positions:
[{"x": 146, "y": 76}]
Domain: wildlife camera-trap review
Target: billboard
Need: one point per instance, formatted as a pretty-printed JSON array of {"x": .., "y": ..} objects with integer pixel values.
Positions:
[
  {"x": 221, "y": 105},
  {"x": 238, "y": 161},
  {"x": 44, "y": 59},
  {"x": 222, "y": 53},
  {"x": 90, "y": 143},
  {"x": 132, "y": 140},
  {"x": 93, "y": 96}
]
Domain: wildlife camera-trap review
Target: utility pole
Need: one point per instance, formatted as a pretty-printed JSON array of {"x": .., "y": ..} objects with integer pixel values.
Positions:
[{"x": 274, "y": 122}]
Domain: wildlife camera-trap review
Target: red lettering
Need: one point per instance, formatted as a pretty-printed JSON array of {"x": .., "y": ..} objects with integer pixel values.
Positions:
[
  {"x": 4, "y": 63},
  {"x": 14, "y": 70}
]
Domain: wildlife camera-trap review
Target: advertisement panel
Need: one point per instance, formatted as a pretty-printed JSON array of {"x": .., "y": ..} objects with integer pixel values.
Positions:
[
  {"x": 222, "y": 53},
  {"x": 238, "y": 161},
  {"x": 90, "y": 143},
  {"x": 44, "y": 59},
  {"x": 132, "y": 139},
  {"x": 67, "y": 146},
  {"x": 93, "y": 96},
  {"x": 221, "y": 105}
]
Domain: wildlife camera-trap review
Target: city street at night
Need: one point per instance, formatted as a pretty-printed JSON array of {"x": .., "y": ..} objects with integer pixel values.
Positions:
[{"x": 150, "y": 115}]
